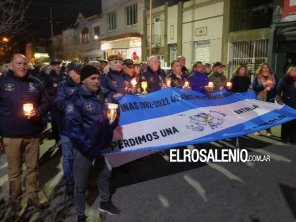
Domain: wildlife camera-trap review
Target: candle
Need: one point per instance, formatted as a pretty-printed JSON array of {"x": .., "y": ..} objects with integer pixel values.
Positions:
[
  {"x": 186, "y": 84},
  {"x": 168, "y": 82},
  {"x": 144, "y": 86},
  {"x": 211, "y": 84},
  {"x": 27, "y": 108},
  {"x": 112, "y": 111},
  {"x": 134, "y": 82},
  {"x": 228, "y": 85}
]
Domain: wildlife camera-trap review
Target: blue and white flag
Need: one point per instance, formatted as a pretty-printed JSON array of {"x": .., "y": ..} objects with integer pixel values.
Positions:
[{"x": 175, "y": 117}]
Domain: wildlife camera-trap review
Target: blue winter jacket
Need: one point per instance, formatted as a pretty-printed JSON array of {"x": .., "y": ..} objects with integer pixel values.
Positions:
[
  {"x": 14, "y": 92},
  {"x": 86, "y": 123},
  {"x": 115, "y": 82},
  {"x": 64, "y": 92},
  {"x": 198, "y": 81}
]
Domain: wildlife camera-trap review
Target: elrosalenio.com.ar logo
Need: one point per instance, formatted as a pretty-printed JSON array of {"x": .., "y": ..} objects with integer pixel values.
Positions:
[{"x": 215, "y": 155}]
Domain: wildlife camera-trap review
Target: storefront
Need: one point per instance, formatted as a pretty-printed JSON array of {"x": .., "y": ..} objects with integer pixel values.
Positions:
[{"x": 129, "y": 46}]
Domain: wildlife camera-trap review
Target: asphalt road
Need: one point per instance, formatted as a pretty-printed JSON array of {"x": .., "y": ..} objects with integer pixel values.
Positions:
[{"x": 153, "y": 189}]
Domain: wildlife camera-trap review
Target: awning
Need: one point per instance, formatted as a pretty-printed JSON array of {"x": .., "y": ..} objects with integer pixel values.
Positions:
[
  {"x": 126, "y": 35},
  {"x": 286, "y": 38}
]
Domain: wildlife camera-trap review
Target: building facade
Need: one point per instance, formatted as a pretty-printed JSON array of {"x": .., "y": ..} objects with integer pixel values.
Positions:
[
  {"x": 81, "y": 41},
  {"x": 283, "y": 36},
  {"x": 122, "y": 28}
]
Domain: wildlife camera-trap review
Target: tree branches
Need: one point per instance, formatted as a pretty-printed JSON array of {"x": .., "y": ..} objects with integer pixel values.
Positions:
[{"x": 12, "y": 16}]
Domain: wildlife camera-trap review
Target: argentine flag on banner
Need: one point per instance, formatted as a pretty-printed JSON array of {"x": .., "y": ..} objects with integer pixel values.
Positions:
[{"x": 175, "y": 117}]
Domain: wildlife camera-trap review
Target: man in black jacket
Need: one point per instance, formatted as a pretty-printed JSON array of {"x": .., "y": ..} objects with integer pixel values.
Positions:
[{"x": 20, "y": 129}]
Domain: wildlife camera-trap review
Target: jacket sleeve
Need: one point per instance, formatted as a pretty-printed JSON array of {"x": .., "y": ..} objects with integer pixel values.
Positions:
[
  {"x": 279, "y": 90},
  {"x": 60, "y": 98},
  {"x": 257, "y": 87},
  {"x": 44, "y": 104}
]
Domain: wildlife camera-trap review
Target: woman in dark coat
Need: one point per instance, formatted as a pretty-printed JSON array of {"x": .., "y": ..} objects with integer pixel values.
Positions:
[
  {"x": 286, "y": 94},
  {"x": 240, "y": 80}
]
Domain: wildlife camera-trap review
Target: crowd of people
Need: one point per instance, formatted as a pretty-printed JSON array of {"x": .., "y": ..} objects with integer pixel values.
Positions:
[{"x": 74, "y": 99}]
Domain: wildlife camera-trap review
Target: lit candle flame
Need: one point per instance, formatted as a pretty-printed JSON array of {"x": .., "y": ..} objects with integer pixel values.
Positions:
[{"x": 27, "y": 108}]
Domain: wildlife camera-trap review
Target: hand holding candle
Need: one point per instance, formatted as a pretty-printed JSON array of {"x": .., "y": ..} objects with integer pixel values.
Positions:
[
  {"x": 134, "y": 82},
  {"x": 168, "y": 82},
  {"x": 28, "y": 109},
  {"x": 186, "y": 85},
  {"x": 112, "y": 111},
  {"x": 210, "y": 87}
]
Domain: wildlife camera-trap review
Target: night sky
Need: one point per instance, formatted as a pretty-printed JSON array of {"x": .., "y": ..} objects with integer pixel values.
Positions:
[{"x": 64, "y": 14}]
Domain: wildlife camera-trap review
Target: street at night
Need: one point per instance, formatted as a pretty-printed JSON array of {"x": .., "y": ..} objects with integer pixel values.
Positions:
[{"x": 152, "y": 189}]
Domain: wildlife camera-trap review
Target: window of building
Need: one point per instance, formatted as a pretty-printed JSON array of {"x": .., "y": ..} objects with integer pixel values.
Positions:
[
  {"x": 202, "y": 51},
  {"x": 131, "y": 14},
  {"x": 111, "y": 19},
  {"x": 96, "y": 32},
  {"x": 85, "y": 35}
]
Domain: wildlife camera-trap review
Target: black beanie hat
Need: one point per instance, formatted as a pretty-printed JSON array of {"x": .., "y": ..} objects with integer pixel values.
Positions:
[{"x": 87, "y": 71}]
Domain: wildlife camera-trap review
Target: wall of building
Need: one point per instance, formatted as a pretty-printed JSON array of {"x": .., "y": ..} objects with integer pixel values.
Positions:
[
  {"x": 121, "y": 27},
  {"x": 202, "y": 22}
]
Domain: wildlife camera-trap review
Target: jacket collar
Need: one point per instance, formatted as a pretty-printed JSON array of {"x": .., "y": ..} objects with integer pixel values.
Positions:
[{"x": 26, "y": 78}]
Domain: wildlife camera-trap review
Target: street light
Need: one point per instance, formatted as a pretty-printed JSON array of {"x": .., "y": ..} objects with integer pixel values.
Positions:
[{"x": 5, "y": 39}]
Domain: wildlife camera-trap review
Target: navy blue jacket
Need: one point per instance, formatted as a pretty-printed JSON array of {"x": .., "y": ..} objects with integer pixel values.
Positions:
[
  {"x": 86, "y": 123},
  {"x": 14, "y": 92},
  {"x": 155, "y": 80},
  {"x": 64, "y": 92},
  {"x": 115, "y": 82},
  {"x": 51, "y": 81},
  {"x": 198, "y": 81}
]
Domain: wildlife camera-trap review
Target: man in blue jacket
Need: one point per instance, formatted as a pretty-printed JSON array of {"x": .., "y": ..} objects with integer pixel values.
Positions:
[
  {"x": 91, "y": 132},
  {"x": 65, "y": 90},
  {"x": 115, "y": 81},
  {"x": 20, "y": 130}
]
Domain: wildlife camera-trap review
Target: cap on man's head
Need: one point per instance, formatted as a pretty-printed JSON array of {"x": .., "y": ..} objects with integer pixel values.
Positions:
[
  {"x": 114, "y": 57},
  {"x": 55, "y": 62},
  {"x": 128, "y": 62},
  {"x": 74, "y": 66},
  {"x": 87, "y": 71},
  {"x": 218, "y": 64},
  {"x": 207, "y": 64},
  {"x": 103, "y": 61}
]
